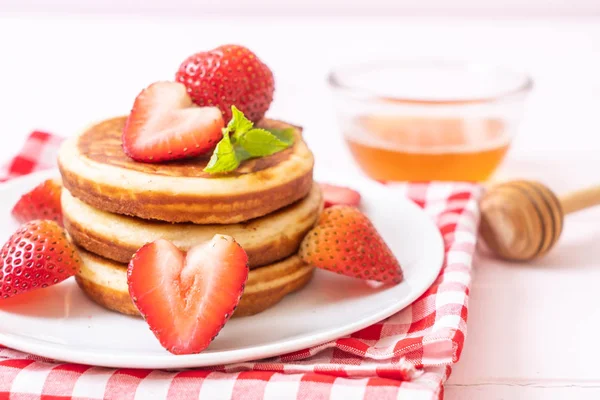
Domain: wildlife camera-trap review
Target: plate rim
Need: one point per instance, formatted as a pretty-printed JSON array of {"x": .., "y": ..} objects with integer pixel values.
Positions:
[{"x": 57, "y": 352}]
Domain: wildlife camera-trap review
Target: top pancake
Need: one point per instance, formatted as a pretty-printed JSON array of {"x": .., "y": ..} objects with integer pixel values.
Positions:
[{"x": 95, "y": 169}]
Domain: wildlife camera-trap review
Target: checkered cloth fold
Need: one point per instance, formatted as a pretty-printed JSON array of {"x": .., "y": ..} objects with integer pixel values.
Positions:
[{"x": 407, "y": 356}]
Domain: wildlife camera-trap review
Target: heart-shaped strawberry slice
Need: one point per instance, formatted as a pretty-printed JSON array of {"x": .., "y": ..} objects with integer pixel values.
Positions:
[
  {"x": 187, "y": 298},
  {"x": 164, "y": 124}
]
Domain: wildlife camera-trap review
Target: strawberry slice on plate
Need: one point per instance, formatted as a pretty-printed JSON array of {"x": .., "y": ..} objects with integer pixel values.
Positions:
[
  {"x": 187, "y": 298},
  {"x": 164, "y": 124},
  {"x": 36, "y": 256},
  {"x": 43, "y": 202},
  {"x": 346, "y": 242},
  {"x": 339, "y": 195}
]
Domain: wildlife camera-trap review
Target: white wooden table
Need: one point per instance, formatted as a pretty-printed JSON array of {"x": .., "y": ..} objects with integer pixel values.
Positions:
[{"x": 533, "y": 329}]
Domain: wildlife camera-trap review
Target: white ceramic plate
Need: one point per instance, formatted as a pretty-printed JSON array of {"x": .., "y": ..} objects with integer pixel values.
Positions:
[{"x": 62, "y": 323}]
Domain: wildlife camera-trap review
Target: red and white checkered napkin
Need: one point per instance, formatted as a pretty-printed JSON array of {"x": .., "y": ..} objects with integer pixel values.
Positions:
[{"x": 407, "y": 356}]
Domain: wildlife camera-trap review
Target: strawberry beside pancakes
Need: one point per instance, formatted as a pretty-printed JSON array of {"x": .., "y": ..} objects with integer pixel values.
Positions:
[{"x": 36, "y": 256}]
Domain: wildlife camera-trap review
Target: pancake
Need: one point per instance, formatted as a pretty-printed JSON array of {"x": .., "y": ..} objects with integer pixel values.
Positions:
[
  {"x": 105, "y": 282},
  {"x": 116, "y": 237},
  {"x": 95, "y": 169}
]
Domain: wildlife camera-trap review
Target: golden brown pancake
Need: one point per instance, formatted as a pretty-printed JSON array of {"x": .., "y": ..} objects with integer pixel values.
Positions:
[
  {"x": 265, "y": 239},
  {"x": 105, "y": 282},
  {"x": 95, "y": 169}
]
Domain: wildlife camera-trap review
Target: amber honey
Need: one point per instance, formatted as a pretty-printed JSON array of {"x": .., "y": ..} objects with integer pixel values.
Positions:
[{"x": 423, "y": 149}]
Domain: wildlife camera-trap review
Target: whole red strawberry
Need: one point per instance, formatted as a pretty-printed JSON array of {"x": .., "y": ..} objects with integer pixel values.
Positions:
[
  {"x": 43, "y": 202},
  {"x": 229, "y": 75},
  {"x": 37, "y": 255},
  {"x": 345, "y": 241}
]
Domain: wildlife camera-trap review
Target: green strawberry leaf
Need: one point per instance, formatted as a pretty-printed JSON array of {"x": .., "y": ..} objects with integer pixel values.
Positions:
[
  {"x": 224, "y": 157},
  {"x": 261, "y": 143},
  {"x": 241, "y": 142}
]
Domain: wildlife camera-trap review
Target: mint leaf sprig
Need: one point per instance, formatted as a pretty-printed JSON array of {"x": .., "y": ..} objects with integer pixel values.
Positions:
[{"x": 241, "y": 141}]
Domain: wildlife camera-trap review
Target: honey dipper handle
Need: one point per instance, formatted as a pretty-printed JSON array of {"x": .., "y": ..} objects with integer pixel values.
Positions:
[{"x": 580, "y": 199}]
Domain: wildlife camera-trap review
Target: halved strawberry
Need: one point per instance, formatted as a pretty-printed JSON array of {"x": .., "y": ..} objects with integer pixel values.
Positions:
[
  {"x": 165, "y": 125},
  {"x": 37, "y": 255},
  {"x": 345, "y": 241},
  {"x": 339, "y": 195},
  {"x": 187, "y": 298},
  {"x": 43, "y": 202}
]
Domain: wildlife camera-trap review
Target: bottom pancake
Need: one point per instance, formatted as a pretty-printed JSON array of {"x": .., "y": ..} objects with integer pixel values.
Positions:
[{"x": 105, "y": 282}]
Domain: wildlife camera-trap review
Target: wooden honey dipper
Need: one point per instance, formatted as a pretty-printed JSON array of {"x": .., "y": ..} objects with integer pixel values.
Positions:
[{"x": 522, "y": 220}]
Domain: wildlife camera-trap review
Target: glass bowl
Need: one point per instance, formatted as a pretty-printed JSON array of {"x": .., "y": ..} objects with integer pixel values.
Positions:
[{"x": 428, "y": 120}]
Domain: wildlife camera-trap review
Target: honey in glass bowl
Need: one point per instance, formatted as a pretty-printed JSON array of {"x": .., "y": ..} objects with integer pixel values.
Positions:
[
  {"x": 454, "y": 127},
  {"x": 420, "y": 149}
]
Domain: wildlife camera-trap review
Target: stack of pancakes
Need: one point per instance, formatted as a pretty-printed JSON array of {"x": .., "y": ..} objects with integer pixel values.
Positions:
[{"x": 113, "y": 205}]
